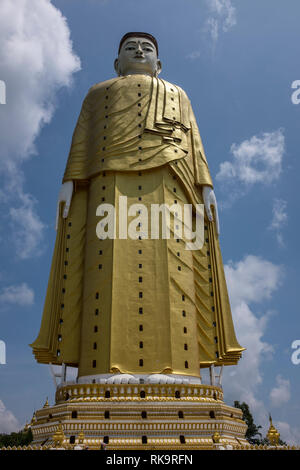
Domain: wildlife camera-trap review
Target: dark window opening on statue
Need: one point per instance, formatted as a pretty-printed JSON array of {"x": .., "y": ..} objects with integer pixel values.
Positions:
[
  {"x": 106, "y": 439},
  {"x": 96, "y": 311},
  {"x": 185, "y": 329},
  {"x": 95, "y": 345},
  {"x": 141, "y": 363},
  {"x": 107, "y": 394},
  {"x": 183, "y": 313},
  {"x": 72, "y": 439},
  {"x": 180, "y": 414},
  {"x": 177, "y": 394},
  {"x": 140, "y": 295},
  {"x": 144, "y": 414},
  {"x": 185, "y": 347},
  {"x": 142, "y": 394},
  {"x": 97, "y": 295},
  {"x": 182, "y": 440},
  {"x": 95, "y": 329},
  {"x": 186, "y": 364},
  {"x": 212, "y": 415},
  {"x": 141, "y": 310},
  {"x": 141, "y": 328},
  {"x": 94, "y": 363},
  {"x": 74, "y": 414},
  {"x": 106, "y": 415},
  {"x": 141, "y": 344},
  {"x": 144, "y": 439}
]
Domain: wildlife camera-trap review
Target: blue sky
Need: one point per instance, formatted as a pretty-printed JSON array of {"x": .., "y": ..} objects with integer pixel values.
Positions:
[{"x": 237, "y": 62}]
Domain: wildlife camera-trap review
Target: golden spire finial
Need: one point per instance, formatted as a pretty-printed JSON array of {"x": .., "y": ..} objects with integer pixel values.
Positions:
[
  {"x": 46, "y": 403},
  {"x": 33, "y": 419},
  {"x": 216, "y": 437},
  {"x": 273, "y": 435},
  {"x": 81, "y": 437},
  {"x": 59, "y": 436}
]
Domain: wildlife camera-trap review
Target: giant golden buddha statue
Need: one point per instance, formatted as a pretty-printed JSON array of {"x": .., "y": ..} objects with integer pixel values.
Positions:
[{"x": 122, "y": 308}]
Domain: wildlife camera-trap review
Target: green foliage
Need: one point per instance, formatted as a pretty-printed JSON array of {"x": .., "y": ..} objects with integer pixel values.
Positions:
[
  {"x": 253, "y": 435},
  {"x": 21, "y": 438}
]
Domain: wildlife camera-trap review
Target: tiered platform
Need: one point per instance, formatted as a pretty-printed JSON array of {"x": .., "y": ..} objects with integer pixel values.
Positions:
[{"x": 140, "y": 416}]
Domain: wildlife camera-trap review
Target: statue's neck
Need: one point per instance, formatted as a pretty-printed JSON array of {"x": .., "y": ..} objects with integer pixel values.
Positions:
[{"x": 134, "y": 72}]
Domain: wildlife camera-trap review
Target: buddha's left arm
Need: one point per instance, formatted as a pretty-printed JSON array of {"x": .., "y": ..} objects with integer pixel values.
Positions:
[{"x": 202, "y": 174}]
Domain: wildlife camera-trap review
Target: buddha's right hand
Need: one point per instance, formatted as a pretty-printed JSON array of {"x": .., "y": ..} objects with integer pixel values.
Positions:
[{"x": 65, "y": 195}]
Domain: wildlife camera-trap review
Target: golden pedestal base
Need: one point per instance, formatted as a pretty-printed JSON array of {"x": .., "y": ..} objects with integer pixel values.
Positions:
[{"x": 142, "y": 416}]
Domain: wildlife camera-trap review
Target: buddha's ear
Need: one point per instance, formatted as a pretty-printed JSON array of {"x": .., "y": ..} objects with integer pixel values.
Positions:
[
  {"x": 117, "y": 67},
  {"x": 158, "y": 67}
]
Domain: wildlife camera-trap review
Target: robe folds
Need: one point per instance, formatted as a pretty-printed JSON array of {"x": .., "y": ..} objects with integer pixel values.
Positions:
[{"x": 136, "y": 305}]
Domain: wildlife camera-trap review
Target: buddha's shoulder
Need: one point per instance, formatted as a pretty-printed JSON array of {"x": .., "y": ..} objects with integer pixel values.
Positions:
[
  {"x": 102, "y": 86},
  {"x": 169, "y": 86}
]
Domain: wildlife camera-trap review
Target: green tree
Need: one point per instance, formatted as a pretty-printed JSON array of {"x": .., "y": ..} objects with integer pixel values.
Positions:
[
  {"x": 253, "y": 434},
  {"x": 21, "y": 438}
]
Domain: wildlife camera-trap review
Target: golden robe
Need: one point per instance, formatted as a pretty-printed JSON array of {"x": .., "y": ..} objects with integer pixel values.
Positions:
[{"x": 135, "y": 306}]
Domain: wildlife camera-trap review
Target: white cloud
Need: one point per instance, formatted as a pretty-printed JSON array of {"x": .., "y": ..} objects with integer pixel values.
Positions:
[
  {"x": 193, "y": 55},
  {"x": 222, "y": 18},
  {"x": 257, "y": 160},
  {"x": 17, "y": 294},
  {"x": 250, "y": 281},
  {"x": 279, "y": 219},
  {"x": 289, "y": 434},
  {"x": 27, "y": 228},
  {"x": 281, "y": 393},
  {"x": 8, "y": 422},
  {"x": 36, "y": 61}
]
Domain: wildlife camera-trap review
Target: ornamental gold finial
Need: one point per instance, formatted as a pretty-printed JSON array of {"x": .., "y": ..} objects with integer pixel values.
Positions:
[
  {"x": 216, "y": 437},
  {"x": 273, "y": 435},
  {"x": 26, "y": 427},
  {"x": 81, "y": 437},
  {"x": 59, "y": 436},
  {"x": 33, "y": 419},
  {"x": 46, "y": 403}
]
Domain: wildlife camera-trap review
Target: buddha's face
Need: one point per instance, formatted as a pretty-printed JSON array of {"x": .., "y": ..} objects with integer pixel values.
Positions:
[{"x": 138, "y": 56}]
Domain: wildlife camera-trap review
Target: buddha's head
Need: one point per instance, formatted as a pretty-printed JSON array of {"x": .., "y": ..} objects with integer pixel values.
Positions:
[{"x": 138, "y": 54}]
